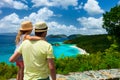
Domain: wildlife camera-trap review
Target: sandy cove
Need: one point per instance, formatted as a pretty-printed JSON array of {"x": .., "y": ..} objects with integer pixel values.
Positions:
[{"x": 82, "y": 51}]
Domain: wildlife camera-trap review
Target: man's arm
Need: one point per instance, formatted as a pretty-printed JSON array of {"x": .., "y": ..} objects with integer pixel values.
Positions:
[
  {"x": 14, "y": 56},
  {"x": 52, "y": 68}
]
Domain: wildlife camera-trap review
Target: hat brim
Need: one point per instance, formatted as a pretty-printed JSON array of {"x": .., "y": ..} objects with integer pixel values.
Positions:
[{"x": 26, "y": 29}]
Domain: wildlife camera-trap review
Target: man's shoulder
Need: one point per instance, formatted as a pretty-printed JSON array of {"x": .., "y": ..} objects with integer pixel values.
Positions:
[
  {"x": 37, "y": 41},
  {"x": 26, "y": 41},
  {"x": 45, "y": 41}
]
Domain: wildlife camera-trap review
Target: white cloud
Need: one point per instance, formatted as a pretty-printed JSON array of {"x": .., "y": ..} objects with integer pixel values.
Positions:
[
  {"x": 92, "y": 25},
  {"x": 12, "y": 4},
  {"x": 92, "y": 7},
  {"x": 90, "y": 22},
  {"x": 64, "y": 3},
  {"x": 9, "y": 23},
  {"x": 12, "y": 18},
  {"x": 56, "y": 28},
  {"x": 42, "y": 15},
  {"x": 38, "y": 3},
  {"x": 19, "y": 5},
  {"x": 79, "y": 6}
]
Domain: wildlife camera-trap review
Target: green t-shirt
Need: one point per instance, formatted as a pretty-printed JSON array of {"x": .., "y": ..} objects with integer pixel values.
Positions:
[{"x": 35, "y": 54}]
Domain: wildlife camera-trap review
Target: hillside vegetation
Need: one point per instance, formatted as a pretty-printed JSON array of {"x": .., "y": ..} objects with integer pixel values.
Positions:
[{"x": 91, "y": 43}]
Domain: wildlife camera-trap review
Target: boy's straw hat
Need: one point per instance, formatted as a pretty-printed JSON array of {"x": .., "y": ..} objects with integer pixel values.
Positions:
[
  {"x": 26, "y": 25},
  {"x": 41, "y": 27}
]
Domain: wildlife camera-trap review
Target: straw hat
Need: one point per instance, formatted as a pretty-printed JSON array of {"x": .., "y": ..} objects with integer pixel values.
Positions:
[
  {"x": 41, "y": 27},
  {"x": 26, "y": 25}
]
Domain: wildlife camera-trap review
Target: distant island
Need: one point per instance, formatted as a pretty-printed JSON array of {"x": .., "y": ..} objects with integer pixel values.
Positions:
[
  {"x": 64, "y": 36},
  {"x": 57, "y": 36}
]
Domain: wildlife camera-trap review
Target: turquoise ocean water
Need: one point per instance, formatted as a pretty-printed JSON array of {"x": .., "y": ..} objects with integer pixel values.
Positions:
[{"x": 7, "y": 47}]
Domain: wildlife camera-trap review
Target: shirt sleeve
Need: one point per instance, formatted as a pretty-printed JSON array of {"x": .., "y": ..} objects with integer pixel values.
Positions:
[{"x": 50, "y": 52}]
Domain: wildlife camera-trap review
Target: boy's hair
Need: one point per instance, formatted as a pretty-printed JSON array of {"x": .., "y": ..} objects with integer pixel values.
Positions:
[{"x": 39, "y": 34}]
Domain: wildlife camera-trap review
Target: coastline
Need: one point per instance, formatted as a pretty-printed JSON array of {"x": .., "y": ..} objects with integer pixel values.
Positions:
[{"x": 82, "y": 51}]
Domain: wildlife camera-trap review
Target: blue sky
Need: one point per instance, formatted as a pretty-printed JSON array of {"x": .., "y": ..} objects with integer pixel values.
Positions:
[{"x": 62, "y": 16}]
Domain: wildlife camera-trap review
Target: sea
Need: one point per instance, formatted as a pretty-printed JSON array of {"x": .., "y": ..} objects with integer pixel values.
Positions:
[{"x": 60, "y": 50}]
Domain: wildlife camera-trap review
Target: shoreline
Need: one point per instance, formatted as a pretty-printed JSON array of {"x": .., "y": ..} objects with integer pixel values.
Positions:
[{"x": 82, "y": 51}]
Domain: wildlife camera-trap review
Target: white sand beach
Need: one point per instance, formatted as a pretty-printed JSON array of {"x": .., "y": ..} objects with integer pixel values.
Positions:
[{"x": 82, "y": 51}]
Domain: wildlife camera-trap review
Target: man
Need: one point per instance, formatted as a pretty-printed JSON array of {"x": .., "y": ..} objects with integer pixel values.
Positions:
[{"x": 37, "y": 56}]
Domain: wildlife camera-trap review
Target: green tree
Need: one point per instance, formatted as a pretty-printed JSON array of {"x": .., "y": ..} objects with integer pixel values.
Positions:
[{"x": 111, "y": 22}]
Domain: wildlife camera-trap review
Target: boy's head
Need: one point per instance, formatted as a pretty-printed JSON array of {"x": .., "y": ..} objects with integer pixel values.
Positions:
[
  {"x": 26, "y": 26},
  {"x": 41, "y": 27}
]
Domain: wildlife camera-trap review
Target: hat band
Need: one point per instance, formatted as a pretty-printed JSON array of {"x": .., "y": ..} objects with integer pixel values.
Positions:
[{"x": 38, "y": 30}]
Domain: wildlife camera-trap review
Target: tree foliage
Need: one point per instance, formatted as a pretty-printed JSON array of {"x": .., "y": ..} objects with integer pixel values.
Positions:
[
  {"x": 111, "y": 22},
  {"x": 7, "y": 71}
]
